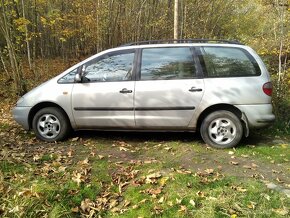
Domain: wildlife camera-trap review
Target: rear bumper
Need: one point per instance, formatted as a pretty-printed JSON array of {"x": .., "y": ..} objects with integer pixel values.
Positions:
[
  {"x": 260, "y": 115},
  {"x": 20, "y": 115}
]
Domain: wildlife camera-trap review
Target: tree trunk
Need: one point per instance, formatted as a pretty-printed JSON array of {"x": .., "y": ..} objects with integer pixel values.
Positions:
[
  {"x": 18, "y": 81},
  {"x": 176, "y": 2},
  {"x": 26, "y": 37},
  {"x": 4, "y": 66}
]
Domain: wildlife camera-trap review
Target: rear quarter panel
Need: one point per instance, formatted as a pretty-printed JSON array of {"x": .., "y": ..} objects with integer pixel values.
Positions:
[{"x": 236, "y": 91}]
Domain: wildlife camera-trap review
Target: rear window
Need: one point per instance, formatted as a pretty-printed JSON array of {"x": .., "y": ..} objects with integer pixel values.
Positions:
[{"x": 229, "y": 62}]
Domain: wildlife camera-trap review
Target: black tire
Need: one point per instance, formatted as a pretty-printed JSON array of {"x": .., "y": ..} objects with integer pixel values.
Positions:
[
  {"x": 51, "y": 124},
  {"x": 221, "y": 129}
]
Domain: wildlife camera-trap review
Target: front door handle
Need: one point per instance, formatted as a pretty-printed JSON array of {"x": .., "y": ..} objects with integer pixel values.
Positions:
[
  {"x": 124, "y": 91},
  {"x": 193, "y": 89}
]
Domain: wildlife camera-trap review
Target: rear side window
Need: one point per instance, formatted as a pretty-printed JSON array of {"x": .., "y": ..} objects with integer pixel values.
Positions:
[
  {"x": 229, "y": 62},
  {"x": 167, "y": 63}
]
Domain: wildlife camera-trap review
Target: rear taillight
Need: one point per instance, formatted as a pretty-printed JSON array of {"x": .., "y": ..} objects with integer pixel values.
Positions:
[{"x": 267, "y": 88}]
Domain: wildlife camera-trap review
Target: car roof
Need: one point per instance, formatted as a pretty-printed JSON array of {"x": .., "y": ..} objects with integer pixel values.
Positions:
[{"x": 180, "y": 41}]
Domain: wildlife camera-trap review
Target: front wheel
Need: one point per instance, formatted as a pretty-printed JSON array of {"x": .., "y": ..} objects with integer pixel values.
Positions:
[
  {"x": 50, "y": 124},
  {"x": 221, "y": 129}
]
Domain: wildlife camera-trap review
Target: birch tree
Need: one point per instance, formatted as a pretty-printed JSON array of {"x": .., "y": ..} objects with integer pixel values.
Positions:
[{"x": 176, "y": 14}]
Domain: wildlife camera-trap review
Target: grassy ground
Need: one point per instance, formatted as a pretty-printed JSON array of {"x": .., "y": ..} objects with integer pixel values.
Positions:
[{"x": 117, "y": 174}]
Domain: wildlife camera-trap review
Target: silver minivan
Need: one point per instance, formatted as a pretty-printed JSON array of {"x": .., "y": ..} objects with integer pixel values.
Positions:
[{"x": 217, "y": 87}]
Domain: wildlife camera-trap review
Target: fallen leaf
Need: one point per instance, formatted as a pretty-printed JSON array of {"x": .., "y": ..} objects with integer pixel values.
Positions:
[
  {"x": 254, "y": 165},
  {"x": 123, "y": 149},
  {"x": 77, "y": 177},
  {"x": 182, "y": 171},
  {"x": 247, "y": 167},
  {"x": 147, "y": 161},
  {"x": 252, "y": 205},
  {"x": 115, "y": 210},
  {"x": 84, "y": 162},
  {"x": 158, "y": 209},
  {"x": 183, "y": 208},
  {"x": 75, "y": 209},
  {"x": 36, "y": 157},
  {"x": 234, "y": 163},
  {"x": 238, "y": 188},
  {"x": 86, "y": 204},
  {"x": 101, "y": 157},
  {"x": 154, "y": 191},
  {"x": 69, "y": 153},
  {"x": 61, "y": 169},
  {"x": 266, "y": 196},
  {"x": 178, "y": 201},
  {"x": 75, "y": 139},
  {"x": 113, "y": 203},
  {"x": 192, "y": 202},
  {"x": 167, "y": 148},
  {"x": 151, "y": 178},
  {"x": 200, "y": 194},
  {"x": 281, "y": 211},
  {"x": 163, "y": 181},
  {"x": 279, "y": 180},
  {"x": 126, "y": 203},
  {"x": 161, "y": 200},
  {"x": 284, "y": 145},
  {"x": 209, "y": 171},
  {"x": 143, "y": 201}
]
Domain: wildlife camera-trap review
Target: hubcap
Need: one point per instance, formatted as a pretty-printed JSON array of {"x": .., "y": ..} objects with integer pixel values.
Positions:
[
  {"x": 48, "y": 126},
  {"x": 222, "y": 131}
]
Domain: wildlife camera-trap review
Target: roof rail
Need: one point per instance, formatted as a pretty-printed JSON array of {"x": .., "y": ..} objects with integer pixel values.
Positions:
[{"x": 164, "y": 41}]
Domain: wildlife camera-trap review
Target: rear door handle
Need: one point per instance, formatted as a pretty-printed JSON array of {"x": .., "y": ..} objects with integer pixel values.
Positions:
[
  {"x": 124, "y": 91},
  {"x": 193, "y": 89}
]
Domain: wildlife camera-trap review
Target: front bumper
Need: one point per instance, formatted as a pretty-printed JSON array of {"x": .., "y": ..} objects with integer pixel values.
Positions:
[{"x": 20, "y": 115}]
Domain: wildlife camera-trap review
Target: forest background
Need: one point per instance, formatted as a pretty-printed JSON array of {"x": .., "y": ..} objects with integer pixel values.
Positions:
[{"x": 41, "y": 38}]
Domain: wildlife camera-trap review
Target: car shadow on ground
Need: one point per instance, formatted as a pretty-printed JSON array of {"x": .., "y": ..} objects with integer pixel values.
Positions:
[
  {"x": 256, "y": 138},
  {"x": 139, "y": 136}
]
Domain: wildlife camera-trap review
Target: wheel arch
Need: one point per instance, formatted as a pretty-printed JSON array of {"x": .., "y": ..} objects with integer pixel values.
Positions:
[
  {"x": 40, "y": 106},
  {"x": 227, "y": 107}
]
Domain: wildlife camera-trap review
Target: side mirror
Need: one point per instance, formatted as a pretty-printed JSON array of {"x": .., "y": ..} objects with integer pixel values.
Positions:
[
  {"x": 80, "y": 75},
  {"x": 78, "y": 78}
]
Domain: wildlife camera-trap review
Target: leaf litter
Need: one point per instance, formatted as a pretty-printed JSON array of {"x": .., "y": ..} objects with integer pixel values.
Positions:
[{"x": 61, "y": 163}]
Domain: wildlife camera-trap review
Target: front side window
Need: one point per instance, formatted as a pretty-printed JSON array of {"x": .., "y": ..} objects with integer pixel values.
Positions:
[
  {"x": 167, "y": 63},
  {"x": 69, "y": 78},
  {"x": 229, "y": 62},
  {"x": 110, "y": 67}
]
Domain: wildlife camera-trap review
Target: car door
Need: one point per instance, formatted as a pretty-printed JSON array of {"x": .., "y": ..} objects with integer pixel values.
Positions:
[
  {"x": 105, "y": 97},
  {"x": 169, "y": 88}
]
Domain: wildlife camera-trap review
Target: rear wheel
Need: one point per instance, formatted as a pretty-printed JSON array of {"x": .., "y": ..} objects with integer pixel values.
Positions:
[
  {"x": 51, "y": 124},
  {"x": 221, "y": 129}
]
